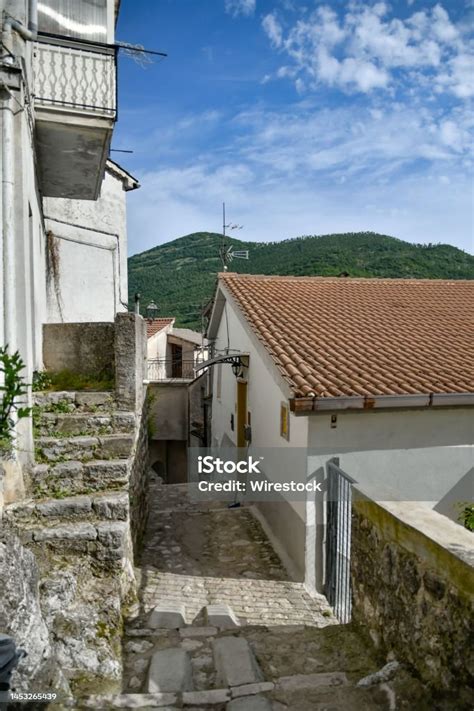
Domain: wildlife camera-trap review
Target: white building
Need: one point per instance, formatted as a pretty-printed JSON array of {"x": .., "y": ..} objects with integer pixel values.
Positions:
[
  {"x": 63, "y": 240},
  {"x": 173, "y": 353},
  {"x": 89, "y": 239},
  {"x": 376, "y": 372}
]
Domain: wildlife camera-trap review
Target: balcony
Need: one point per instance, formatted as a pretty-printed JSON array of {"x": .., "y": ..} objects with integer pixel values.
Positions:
[
  {"x": 74, "y": 87},
  {"x": 169, "y": 370}
]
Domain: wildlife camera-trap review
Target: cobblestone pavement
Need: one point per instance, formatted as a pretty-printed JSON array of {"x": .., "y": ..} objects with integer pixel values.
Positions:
[{"x": 202, "y": 554}]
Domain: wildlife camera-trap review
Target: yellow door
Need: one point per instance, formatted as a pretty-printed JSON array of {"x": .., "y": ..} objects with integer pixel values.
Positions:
[{"x": 241, "y": 412}]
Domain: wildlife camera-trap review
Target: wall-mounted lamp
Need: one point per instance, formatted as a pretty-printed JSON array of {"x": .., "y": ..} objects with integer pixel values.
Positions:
[
  {"x": 152, "y": 310},
  {"x": 238, "y": 368}
]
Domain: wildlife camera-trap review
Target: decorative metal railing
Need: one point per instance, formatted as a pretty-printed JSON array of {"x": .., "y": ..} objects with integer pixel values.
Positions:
[
  {"x": 76, "y": 76},
  {"x": 168, "y": 369}
]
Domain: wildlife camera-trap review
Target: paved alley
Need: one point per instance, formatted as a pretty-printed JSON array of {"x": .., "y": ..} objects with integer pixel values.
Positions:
[{"x": 287, "y": 650}]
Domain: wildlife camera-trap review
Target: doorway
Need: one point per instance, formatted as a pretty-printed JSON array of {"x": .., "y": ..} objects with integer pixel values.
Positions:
[{"x": 241, "y": 412}]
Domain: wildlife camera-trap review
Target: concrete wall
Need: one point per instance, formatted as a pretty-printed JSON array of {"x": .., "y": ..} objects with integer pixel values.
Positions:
[
  {"x": 168, "y": 411},
  {"x": 266, "y": 391},
  {"x": 90, "y": 283},
  {"x": 412, "y": 575},
  {"x": 86, "y": 348}
]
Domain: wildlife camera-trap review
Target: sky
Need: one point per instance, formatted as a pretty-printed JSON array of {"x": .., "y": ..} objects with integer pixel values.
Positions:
[{"x": 304, "y": 116}]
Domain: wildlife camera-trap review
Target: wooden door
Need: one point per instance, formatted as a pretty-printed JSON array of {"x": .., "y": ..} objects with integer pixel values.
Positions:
[{"x": 241, "y": 412}]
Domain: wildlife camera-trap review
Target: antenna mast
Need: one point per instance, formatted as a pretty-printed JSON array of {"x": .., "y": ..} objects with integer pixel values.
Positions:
[{"x": 227, "y": 254}]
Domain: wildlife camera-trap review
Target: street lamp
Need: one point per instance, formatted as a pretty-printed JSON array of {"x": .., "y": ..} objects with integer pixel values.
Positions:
[{"x": 151, "y": 310}]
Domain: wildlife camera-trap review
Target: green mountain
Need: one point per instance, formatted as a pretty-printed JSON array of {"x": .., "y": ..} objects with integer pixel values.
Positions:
[{"x": 180, "y": 275}]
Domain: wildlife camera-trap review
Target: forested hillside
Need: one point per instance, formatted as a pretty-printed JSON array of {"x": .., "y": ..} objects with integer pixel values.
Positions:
[{"x": 180, "y": 275}]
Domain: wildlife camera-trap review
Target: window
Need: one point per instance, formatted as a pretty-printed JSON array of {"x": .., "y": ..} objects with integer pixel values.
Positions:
[
  {"x": 219, "y": 381},
  {"x": 285, "y": 421},
  {"x": 84, "y": 20}
]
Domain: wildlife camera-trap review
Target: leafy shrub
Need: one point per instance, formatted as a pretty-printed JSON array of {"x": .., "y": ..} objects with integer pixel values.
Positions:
[{"x": 12, "y": 389}]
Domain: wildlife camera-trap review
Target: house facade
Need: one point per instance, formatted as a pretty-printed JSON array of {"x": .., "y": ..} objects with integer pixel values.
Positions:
[
  {"x": 62, "y": 207},
  {"x": 377, "y": 373},
  {"x": 173, "y": 353}
]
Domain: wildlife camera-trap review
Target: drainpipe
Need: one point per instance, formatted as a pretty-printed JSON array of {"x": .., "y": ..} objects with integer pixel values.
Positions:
[
  {"x": 28, "y": 34},
  {"x": 8, "y": 215}
]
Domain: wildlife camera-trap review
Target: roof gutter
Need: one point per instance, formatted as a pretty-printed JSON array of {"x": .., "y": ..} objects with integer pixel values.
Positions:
[{"x": 314, "y": 405}]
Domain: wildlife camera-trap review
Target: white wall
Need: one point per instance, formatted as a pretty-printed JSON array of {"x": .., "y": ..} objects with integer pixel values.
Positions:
[
  {"x": 403, "y": 455},
  {"x": 408, "y": 455},
  {"x": 92, "y": 244},
  {"x": 156, "y": 344},
  {"x": 284, "y": 519},
  {"x": 22, "y": 283}
]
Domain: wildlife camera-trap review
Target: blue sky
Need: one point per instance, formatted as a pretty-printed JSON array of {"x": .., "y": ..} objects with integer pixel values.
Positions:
[{"x": 306, "y": 117}]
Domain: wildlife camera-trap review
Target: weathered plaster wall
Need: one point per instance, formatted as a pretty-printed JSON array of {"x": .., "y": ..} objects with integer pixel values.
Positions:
[
  {"x": 168, "y": 411},
  {"x": 413, "y": 587},
  {"x": 86, "y": 348},
  {"x": 91, "y": 238}
]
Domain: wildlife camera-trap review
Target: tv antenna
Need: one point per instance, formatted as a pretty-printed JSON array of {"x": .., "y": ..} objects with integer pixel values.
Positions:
[{"x": 227, "y": 254}]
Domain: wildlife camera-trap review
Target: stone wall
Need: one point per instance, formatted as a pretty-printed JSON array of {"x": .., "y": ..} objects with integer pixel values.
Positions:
[
  {"x": 130, "y": 360},
  {"x": 83, "y": 348},
  {"x": 22, "y": 619},
  {"x": 412, "y": 580},
  {"x": 138, "y": 482}
]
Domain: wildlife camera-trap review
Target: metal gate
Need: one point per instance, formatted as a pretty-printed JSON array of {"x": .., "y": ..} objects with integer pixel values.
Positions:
[{"x": 338, "y": 540}]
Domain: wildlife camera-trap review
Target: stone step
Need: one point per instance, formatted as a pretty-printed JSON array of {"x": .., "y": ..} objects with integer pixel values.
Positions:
[
  {"x": 235, "y": 662},
  {"x": 107, "y": 542},
  {"x": 69, "y": 401},
  {"x": 108, "y": 505},
  {"x": 170, "y": 670},
  {"x": 57, "y": 449},
  {"x": 51, "y": 424},
  {"x": 74, "y": 477}
]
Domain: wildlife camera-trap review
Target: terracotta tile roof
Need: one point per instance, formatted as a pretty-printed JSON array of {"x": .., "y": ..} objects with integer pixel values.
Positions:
[
  {"x": 335, "y": 337},
  {"x": 157, "y": 324}
]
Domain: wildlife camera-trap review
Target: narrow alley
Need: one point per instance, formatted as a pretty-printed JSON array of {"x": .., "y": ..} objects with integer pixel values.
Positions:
[{"x": 277, "y": 647}]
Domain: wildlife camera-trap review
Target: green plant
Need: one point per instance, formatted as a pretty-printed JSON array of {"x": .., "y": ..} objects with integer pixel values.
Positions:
[
  {"x": 12, "y": 389},
  {"x": 68, "y": 380},
  {"x": 466, "y": 515},
  {"x": 41, "y": 381}
]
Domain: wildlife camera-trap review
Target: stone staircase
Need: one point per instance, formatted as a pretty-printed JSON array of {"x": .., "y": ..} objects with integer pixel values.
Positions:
[
  {"x": 77, "y": 521},
  {"x": 79, "y": 502},
  {"x": 230, "y": 666}
]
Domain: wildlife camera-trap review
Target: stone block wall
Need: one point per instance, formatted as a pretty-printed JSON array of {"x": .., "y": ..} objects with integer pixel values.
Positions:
[
  {"x": 130, "y": 360},
  {"x": 83, "y": 348},
  {"x": 413, "y": 584},
  {"x": 138, "y": 482}
]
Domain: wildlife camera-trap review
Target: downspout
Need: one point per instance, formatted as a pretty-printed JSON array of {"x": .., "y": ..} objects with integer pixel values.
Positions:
[
  {"x": 8, "y": 172},
  {"x": 28, "y": 34}
]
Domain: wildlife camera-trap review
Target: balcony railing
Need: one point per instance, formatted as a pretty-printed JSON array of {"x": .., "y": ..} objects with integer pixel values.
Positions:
[
  {"x": 167, "y": 369},
  {"x": 75, "y": 77}
]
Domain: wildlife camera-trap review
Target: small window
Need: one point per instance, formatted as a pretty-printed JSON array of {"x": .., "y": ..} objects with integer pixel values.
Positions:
[
  {"x": 284, "y": 421},
  {"x": 70, "y": 18},
  {"x": 219, "y": 381}
]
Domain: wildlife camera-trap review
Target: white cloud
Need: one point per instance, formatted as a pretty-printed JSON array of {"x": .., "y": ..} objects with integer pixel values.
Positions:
[
  {"x": 365, "y": 49},
  {"x": 273, "y": 30},
  {"x": 240, "y": 7},
  {"x": 304, "y": 170}
]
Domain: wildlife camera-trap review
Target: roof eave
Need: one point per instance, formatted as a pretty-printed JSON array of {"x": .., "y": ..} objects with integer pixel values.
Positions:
[{"x": 314, "y": 405}]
